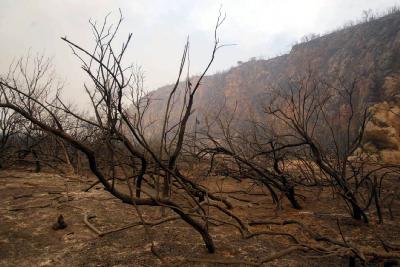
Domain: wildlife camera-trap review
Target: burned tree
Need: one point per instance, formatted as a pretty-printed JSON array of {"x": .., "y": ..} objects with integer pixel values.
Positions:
[
  {"x": 27, "y": 143},
  {"x": 252, "y": 153},
  {"x": 121, "y": 129},
  {"x": 328, "y": 118},
  {"x": 9, "y": 121}
]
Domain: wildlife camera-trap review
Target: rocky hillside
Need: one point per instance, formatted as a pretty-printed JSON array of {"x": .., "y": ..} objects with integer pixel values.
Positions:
[{"x": 370, "y": 50}]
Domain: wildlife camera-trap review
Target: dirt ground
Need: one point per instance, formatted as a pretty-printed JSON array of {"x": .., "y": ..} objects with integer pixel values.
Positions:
[{"x": 31, "y": 203}]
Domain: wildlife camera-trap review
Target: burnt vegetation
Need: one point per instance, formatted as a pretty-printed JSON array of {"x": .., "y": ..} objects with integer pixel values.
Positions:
[{"x": 308, "y": 146}]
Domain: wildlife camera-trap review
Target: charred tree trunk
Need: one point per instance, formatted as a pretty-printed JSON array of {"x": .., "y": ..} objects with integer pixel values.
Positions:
[
  {"x": 37, "y": 162},
  {"x": 358, "y": 214},
  {"x": 291, "y": 196},
  {"x": 352, "y": 262},
  {"x": 378, "y": 206},
  {"x": 140, "y": 177}
]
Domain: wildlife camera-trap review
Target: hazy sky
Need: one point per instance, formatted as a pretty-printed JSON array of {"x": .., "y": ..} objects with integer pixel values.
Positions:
[{"x": 259, "y": 28}]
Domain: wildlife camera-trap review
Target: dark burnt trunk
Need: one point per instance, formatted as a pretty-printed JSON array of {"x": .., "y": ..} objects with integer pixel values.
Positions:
[
  {"x": 291, "y": 196},
  {"x": 358, "y": 213},
  {"x": 140, "y": 177},
  {"x": 37, "y": 163}
]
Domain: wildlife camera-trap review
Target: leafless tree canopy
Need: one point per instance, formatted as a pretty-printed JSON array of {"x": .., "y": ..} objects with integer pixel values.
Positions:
[{"x": 311, "y": 138}]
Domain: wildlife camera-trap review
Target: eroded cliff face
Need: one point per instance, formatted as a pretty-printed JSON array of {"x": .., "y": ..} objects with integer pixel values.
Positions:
[
  {"x": 382, "y": 137},
  {"x": 369, "y": 51}
]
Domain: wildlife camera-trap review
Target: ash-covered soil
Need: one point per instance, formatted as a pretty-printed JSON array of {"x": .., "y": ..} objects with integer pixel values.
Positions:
[{"x": 32, "y": 202}]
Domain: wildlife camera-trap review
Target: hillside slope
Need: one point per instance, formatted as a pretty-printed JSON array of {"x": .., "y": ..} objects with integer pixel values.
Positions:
[{"x": 370, "y": 50}]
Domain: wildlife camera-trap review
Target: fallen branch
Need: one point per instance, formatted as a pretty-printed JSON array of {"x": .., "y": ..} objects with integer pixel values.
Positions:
[
  {"x": 269, "y": 258},
  {"x": 244, "y": 200},
  {"x": 271, "y": 233},
  {"x": 55, "y": 192},
  {"x": 91, "y": 226},
  {"x": 220, "y": 261},
  {"x": 241, "y": 192},
  {"x": 387, "y": 245},
  {"x": 286, "y": 222},
  {"x": 230, "y": 214},
  {"x": 30, "y": 207},
  {"x": 98, "y": 182},
  {"x": 22, "y": 196},
  {"x": 172, "y": 218},
  {"x": 282, "y": 253}
]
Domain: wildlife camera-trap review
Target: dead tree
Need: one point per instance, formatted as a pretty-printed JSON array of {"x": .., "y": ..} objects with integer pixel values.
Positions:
[
  {"x": 325, "y": 116},
  {"x": 9, "y": 122},
  {"x": 252, "y": 153},
  {"x": 114, "y": 91},
  {"x": 30, "y": 144}
]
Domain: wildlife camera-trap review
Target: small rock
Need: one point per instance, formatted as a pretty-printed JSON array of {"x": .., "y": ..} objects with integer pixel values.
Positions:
[{"x": 60, "y": 224}]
